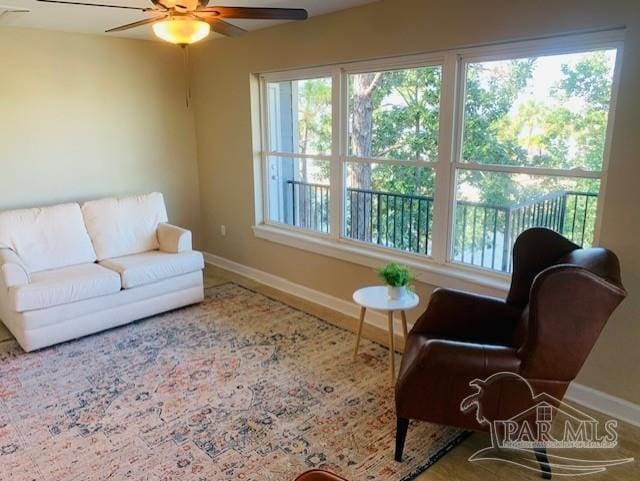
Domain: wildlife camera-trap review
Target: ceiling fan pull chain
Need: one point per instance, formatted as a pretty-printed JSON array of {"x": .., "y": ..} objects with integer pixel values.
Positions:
[{"x": 187, "y": 77}]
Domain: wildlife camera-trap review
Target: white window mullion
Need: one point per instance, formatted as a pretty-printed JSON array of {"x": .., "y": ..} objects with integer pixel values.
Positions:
[
  {"x": 516, "y": 169},
  {"x": 295, "y": 155},
  {"x": 446, "y": 151},
  {"x": 607, "y": 143},
  {"x": 336, "y": 177},
  {"x": 263, "y": 214},
  {"x": 402, "y": 163}
]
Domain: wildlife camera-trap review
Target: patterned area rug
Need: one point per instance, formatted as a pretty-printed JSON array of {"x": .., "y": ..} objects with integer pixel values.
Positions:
[{"x": 240, "y": 387}]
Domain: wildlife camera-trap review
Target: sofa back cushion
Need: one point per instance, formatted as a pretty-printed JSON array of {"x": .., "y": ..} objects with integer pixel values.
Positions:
[
  {"x": 47, "y": 237},
  {"x": 120, "y": 227}
]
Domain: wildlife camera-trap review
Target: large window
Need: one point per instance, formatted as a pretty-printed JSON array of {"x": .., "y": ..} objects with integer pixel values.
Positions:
[{"x": 445, "y": 157}]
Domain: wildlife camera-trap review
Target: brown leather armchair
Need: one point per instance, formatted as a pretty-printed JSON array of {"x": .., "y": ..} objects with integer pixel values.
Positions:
[{"x": 560, "y": 298}]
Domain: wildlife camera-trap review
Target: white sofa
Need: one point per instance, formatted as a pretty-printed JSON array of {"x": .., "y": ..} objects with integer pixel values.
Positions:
[{"x": 67, "y": 271}]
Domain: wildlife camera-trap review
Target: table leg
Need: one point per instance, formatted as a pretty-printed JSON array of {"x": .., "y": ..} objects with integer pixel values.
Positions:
[
  {"x": 363, "y": 310},
  {"x": 404, "y": 324},
  {"x": 392, "y": 352}
]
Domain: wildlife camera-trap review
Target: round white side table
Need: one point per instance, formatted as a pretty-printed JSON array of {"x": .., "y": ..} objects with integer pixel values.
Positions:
[{"x": 376, "y": 297}]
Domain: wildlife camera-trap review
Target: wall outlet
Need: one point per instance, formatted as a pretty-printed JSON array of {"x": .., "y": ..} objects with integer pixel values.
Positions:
[{"x": 223, "y": 230}]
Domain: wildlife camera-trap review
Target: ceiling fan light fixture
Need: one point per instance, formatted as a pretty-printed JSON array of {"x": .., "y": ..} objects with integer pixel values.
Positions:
[{"x": 181, "y": 31}]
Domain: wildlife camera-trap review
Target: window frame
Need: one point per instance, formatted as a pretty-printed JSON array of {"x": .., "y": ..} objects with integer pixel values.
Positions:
[{"x": 438, "y": 268}]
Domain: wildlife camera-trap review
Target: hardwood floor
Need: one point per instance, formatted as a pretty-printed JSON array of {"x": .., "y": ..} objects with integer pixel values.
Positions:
[{"x": 455, "y": 466}]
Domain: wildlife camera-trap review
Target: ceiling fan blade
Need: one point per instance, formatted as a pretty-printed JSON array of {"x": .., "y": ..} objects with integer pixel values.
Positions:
[
  {"x": 224, "y": 28},
  {"x": 136, "y": 24},
  {"x": 257, "y": 13},
  {"x": 96, "y": 5}
]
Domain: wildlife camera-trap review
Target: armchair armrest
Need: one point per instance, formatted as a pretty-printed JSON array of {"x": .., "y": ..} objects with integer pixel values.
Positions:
[
  {"x": 12, "y": 270},
  {"x": 174, "y": 239},
  {"x": 463, "y": 358},
  {"x": 467, "y": 317}
]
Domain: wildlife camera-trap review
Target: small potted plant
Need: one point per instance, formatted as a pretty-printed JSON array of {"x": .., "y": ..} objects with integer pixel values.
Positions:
[{"x": 397, "y": 278}]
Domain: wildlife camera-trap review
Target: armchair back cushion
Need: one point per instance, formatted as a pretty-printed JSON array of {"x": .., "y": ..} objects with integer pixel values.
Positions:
[
  {"x": 47, "y": 237},
  {"x": 124, "y": 226},
  {"x": 534, "y": 251}
]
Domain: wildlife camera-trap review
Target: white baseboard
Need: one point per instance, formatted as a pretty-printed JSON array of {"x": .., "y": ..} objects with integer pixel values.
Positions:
[
  {"x": 605, "y": 403},
  {"x": 348, "y": 308},
  {"x": 586, "y": 396}
]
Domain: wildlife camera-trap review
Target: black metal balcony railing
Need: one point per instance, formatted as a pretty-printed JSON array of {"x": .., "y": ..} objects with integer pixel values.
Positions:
[
  {"x": 310, "y": 205},
  {"x": 400, "y": 221},
  {"x": 483, "y": 233}
]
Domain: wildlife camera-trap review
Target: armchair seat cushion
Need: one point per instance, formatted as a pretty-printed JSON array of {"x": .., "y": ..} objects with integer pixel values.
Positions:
[
  {"x": 63, "y": 286},
  {"x": 148, "y": 267}
]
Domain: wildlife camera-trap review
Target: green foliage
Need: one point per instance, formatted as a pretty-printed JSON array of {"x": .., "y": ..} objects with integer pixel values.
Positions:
[
  {"x": 408, "y": 128},
  {"x": 487, "y": 104},
  {"x": 405, "y": 123},
  {"x": 590, "y": 79},
  {"x": 395, "y": 275},
  {"x": 314, "y": 116}
]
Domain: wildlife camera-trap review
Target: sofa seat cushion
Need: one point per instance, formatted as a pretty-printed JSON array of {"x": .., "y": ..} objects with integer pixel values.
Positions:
[
  {"x": 148, "y": 267},
  {"x": 64, "y": 313},
  {"x": 63, "y": 286}
]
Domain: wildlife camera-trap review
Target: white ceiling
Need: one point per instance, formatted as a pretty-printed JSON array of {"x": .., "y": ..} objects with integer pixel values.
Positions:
[{"x": 84, "y": 19}]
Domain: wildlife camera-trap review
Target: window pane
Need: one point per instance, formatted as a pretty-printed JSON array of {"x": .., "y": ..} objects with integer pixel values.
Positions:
[
  {"x": 298, "y": 191},
  {"x": 395, "y": 114},
  {"x": 548, "y": 111},
  {"x": 299, "y": 116},
  {"x": 390, "y": 205},
  {"x": 493, "y": 208}
]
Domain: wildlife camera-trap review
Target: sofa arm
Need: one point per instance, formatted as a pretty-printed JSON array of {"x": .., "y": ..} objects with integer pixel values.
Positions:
[
  {"x": 174, "y": 239},
  {"x": 12, "y": 270}
]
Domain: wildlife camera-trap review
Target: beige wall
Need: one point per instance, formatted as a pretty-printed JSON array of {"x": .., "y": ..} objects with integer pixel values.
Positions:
[
  {"x": 85, "y": 116},
  {"x": 222, "y": 72}
]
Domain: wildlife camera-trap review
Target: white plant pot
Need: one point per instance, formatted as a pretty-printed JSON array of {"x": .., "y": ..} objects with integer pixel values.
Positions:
[{"x": 396, "y": 293}]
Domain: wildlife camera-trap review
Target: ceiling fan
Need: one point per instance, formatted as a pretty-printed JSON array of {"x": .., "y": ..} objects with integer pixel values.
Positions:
[{"x": 184, "y": 22}]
